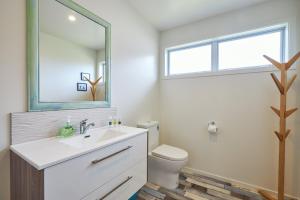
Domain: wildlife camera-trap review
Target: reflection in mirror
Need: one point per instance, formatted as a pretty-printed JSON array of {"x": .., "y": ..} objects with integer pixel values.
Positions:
[{"x": 71, "y": 55}]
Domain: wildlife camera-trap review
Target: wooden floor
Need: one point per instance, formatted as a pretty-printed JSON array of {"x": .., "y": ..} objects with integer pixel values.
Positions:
[{"x": 194, "y": 186}]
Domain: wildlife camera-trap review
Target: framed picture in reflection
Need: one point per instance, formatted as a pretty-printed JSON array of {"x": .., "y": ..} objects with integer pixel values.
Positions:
[
  {"x": 82, "y": 87},
  {"x": 85, "y": 76}
]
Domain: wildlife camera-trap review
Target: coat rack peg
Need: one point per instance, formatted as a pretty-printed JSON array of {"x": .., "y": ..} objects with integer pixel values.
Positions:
[
  {"x": 278, "y": 135},
  {"x": 289, "y": 112},
  {"x": 278, "y": 84},
  {"x": 290, "y": 82},
  {"x": 274, "y": 62},
  {"x": 266, "y": 195},
  {"x": 276, "y": 111},
  {"x": 292, "y": 61},
  {"x": 287, "y": 133},
  {"x": 283, "y": 85}
]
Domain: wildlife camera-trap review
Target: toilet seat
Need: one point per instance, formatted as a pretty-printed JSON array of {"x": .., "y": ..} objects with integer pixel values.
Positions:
[{"x": 170, "y": 153}]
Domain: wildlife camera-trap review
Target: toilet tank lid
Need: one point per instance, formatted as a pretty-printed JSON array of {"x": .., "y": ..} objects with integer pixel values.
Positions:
[
  {"x": 147, "y": 124},
  {"x": 170, "y": 153}
]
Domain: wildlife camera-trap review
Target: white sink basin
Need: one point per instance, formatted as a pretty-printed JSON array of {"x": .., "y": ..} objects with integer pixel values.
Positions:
[
  {"x": 93, "y": 136},
  {"x": 50, "y": 151}
]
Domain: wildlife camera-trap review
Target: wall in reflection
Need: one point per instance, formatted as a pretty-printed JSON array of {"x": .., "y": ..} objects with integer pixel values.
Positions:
[
  {"x": 62, "y": 69},
  {"x": 69, "y": 44}
]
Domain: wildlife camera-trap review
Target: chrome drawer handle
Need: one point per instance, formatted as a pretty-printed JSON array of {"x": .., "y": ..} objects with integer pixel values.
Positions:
[
  {"x": 117, "y": 187},
  {"x": 102, "y": 159}
]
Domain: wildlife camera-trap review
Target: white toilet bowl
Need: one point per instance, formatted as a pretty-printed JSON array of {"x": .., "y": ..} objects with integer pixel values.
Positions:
[
  {"x": 164, "y": 164},
  {"x": 164, "y": 161}
]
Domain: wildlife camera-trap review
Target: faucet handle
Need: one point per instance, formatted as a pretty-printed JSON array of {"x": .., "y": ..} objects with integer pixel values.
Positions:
[{"x": 83, "y": 121}]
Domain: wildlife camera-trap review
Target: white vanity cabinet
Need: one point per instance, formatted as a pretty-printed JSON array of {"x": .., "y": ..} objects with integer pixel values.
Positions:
[
  {"x": 116, "y": 171},
  {"x": 123, "y": 186},
  {"x": 80, "y": 176}
]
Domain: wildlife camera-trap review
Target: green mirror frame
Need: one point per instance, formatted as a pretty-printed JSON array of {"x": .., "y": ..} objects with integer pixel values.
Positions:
[{"x": 33, "y": 60}]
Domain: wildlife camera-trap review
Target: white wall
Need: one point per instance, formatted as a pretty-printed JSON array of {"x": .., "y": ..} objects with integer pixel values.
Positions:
[
  {"x": 246, "y": 148},
  {"x": 61, "y": 63},
  {"x": 13, "y": 78},
  {"x": 134, "y": 67}
]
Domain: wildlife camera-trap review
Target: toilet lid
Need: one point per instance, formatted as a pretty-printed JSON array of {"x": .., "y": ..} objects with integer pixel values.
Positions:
[{"x": 170, "y": 153}]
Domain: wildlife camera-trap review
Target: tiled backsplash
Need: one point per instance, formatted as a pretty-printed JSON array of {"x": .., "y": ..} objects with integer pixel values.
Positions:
[{"x": 30, "y": 126}]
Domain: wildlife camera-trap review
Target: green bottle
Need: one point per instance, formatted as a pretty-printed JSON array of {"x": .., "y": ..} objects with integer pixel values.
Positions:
[{"x": 68, "y": 130}]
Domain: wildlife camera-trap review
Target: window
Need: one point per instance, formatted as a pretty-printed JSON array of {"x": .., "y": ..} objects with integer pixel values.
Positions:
[
  {"x": 231, "y": 53},
  {"x": 247, "y": 52},
  {"x": 101, "y": 71},
  {"x": 190, "y": 60}
]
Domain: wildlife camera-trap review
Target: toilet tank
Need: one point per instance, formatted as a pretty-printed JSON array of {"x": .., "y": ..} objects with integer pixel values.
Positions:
[{"x": 153, "y": 133}]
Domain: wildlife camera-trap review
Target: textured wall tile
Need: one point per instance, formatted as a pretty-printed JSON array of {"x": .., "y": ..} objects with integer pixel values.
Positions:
[{"x": 30, "y": 126}]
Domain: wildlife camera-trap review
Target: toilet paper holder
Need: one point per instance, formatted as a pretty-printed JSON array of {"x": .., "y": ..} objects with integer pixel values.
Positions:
[{"x": 212, "y": 127}]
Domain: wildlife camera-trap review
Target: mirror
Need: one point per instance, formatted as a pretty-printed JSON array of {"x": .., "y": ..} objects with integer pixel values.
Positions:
[{"x": 69, "y": 63}]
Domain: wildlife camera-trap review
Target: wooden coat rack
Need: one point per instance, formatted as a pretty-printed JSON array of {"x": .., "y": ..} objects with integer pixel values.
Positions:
[
  {"x": 283, "y": 86},
  {"x": 93, "y": 86}
]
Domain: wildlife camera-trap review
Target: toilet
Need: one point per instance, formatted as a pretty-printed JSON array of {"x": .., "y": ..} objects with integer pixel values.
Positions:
[{"x": 164, "y": 161}]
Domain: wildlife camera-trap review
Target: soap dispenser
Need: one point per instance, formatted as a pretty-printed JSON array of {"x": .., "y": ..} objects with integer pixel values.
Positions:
[{"x": 68, "y": 130}]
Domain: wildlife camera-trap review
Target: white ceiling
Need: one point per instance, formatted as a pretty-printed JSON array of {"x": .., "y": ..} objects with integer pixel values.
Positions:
[
  {"x": 54, "y": 20},
  {"x": 166, "y": 14},
  {"x": 163, "y": 14}
]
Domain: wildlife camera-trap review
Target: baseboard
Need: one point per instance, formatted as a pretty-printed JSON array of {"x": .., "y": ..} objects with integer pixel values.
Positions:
[{"x": 250, "y": 187}]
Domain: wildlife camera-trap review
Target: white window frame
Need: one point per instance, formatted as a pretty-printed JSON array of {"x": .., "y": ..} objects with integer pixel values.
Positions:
[
  {"x": 215, "y": 71},
  {"x": 101, "y": 65}
]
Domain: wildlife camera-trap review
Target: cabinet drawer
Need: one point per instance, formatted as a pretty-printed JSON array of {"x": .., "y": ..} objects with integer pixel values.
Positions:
[
  {"x": 123, "y": 186},
  {"x": 78, "y": 177}
]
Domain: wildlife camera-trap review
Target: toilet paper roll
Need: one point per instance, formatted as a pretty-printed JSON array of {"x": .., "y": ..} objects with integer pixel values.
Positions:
[{"x": 212, "y": 128}]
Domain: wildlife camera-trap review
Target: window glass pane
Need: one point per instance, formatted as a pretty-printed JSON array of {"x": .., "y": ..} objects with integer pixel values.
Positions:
[
  {"x": 248, "y": 52},
  {"x": 101, "y": 71},
  {"x": 196, "y": 59}
]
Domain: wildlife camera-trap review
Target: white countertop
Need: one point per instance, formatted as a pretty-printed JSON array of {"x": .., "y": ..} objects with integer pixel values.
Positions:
[{"x": 50, "y": 151}]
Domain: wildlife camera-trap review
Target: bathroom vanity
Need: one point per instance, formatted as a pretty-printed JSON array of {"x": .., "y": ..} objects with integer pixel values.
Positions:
[
  {"x": 68, "y": 51},
  {"x": 105, "y": 163}
]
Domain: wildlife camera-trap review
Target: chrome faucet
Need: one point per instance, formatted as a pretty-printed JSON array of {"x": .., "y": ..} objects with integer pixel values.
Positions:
[{"x": 84, "y": 126}]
